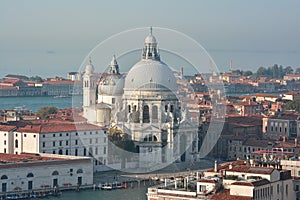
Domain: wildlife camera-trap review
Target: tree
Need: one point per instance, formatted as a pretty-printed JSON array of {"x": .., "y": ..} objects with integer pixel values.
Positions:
[
  {"x": 247, "y": 73},
  {"x": 288, "y": 70},
  {"x": 293, "y": 105},
  {"x": 45, "y": 112},
  {"x": 36, "y": 78}
]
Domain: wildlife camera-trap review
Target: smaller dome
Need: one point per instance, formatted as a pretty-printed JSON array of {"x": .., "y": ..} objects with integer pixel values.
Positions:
[
  {"x": 111, "y": 85},
  {"x": 150, "y": 39}
]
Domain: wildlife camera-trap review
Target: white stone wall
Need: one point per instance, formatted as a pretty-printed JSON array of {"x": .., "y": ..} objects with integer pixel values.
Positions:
[
  {"x": 4, "y": 142},
  {"x": 42, "y": 175},
  {"x": 65, "y": 143}
]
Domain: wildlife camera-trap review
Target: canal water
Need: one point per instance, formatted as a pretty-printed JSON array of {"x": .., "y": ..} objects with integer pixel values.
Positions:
[
  {"x": 35, "y": 103},
  {"x": 137, "y": 193}
]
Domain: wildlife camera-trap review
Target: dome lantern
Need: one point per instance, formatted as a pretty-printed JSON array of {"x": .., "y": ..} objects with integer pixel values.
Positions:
[
  {"x": 114, "y": 67},
  {"x": 150, "y": 50}
]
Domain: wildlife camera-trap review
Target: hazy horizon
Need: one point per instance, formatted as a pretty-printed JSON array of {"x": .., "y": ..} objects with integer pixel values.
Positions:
[{"x": 51, "y": 38}]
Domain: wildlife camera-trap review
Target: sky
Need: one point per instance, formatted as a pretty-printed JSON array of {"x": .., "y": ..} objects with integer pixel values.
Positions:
[{"x": 50, "y": 38}]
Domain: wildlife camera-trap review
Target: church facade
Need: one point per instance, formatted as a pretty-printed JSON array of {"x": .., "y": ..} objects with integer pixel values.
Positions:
[{"x": 145, "y": 105}]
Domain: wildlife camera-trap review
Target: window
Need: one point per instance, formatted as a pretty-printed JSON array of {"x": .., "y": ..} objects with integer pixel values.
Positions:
[
  {"x": 34, "y": 136},
  {"x": 4, "y": 177},
  {"x": 60, "y": 135},
  {"x": 60, "y": 152},
  {"x": 76, "y": 133},
  {"x": 90, "y": 151},
  {"x": 154, "y": 113},
  {"x": 53, "y": 144},
  {"x": 55, "y": 173},
  {"x": 96, "y": 132},
  {"x": 25, "y": 135},
  {"x": 298, "y": 173},
  {"x": 67, "y": 142},
  {"x": 76, "y": 142},
  {"x": 96, "y": 140},
  {"x": 297, "y": 188},
  {"x": 4, "y": 142},
  {"x": 53, "y": 135},
  {"x": 84, "y": 152},
  {"x": 104, "y": 150},
  {"x": 104, "y": 140},
  {"x": 113, "y": 100},
  {"x": 129, "y": 109},
  {"x": 76, "y": 152},
  {"x": 286, "y": 189},
  {"x": 79, "y": 171},
  {"x": 91, "y": 140},
  {"x": 171, "y": 108},
  {"x": 96, "y": 151},
  {"x": 60, "y": 143},
  {"x": 84, "y": 133},
  {"x": 166, "y": 108},
  {"x": 30, "y": 175},
  {"x": 4, "y": 150},
  {"x": 67, "y": 134},
  {"x": 67, "y": 152},
  {"x": 146, "y": 118},
  {"x": 44, "y": 144},
  {"x": 44, "y": 136},
  {"x": 91, "y": 132},
  {"x": 16, "y": 144}
]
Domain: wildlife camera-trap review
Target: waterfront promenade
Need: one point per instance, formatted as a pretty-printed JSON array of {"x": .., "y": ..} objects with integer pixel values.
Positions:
[{"x": 175, "y": 169}]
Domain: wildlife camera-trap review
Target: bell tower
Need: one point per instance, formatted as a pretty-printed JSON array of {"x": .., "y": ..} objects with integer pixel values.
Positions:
[{"x": 89, "y": 85}]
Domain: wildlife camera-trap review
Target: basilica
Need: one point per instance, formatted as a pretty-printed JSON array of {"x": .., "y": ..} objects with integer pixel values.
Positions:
[{"x": 144, "y": 104}]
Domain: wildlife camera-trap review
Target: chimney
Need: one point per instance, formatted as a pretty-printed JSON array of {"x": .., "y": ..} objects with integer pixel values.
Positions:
[
  {"x": 216, "y": 166},
  {"x": 284, "y": 138},
  {"x": 296, "y": 142},
  {"x": 252, "y": 162}
]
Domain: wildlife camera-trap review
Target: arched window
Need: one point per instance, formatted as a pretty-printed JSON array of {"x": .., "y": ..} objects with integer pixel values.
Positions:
[
  {"x": 4, "y": 177},
  {"x": 146, "y": 114},
  {"x": 129, "y": 109},
  {"x": 79, "y": 171},
  {"x": 60, "y": 152},
  {"x": 55, "y": 173},
  {"x": 16, "y": 144},
  {"x": 171, "y": 108},
  {"x": 154, "y": 113},
  {"x": 154, "y": 138},
  {"x": 30, "y": 175}
]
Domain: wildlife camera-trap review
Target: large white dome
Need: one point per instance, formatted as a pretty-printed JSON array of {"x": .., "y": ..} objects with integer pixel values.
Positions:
[{"x": 150, "y": 74}]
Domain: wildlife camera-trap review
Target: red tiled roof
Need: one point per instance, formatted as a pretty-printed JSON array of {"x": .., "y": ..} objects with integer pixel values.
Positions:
[
  {"x": 225, "y": 195},
  {"x": 207, "y": 181},
  {"x": 253, "y": 183},
  {"x": 24, "y": 157},
  {"x": 53, "y": 128},
  {"x": 256, "y": 142},
  {"x": 7, "y": 128}
]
